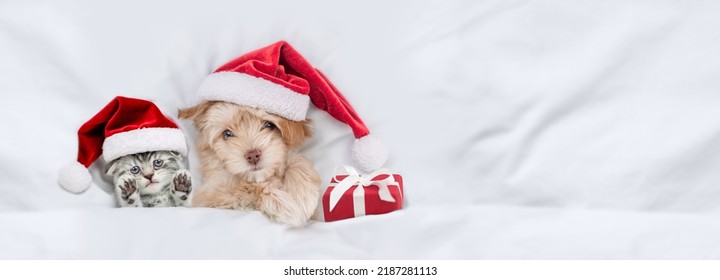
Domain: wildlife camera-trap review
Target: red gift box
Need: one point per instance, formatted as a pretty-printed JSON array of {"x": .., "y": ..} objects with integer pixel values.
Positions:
[{"x": 352, "y": 195}]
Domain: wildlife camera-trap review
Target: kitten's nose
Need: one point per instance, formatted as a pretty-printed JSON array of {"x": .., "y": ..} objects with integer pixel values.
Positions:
[
  {"x": 148, "y": 176},
  {"x": 253, "y": 156}
]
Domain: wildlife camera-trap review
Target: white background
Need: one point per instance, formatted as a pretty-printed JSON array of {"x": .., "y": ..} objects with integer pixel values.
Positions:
[{"x": 523, "y": 129}]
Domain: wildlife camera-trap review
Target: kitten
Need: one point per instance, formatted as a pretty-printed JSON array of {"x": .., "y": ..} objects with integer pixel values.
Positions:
[{"x": 151, "y": 179}]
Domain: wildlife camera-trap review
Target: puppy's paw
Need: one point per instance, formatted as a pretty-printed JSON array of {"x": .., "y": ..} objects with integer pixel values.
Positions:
[
  {"x": 280, "y": 207},
  {"x": 127, "y": 191},
  {"x": 305, "y": 182}
]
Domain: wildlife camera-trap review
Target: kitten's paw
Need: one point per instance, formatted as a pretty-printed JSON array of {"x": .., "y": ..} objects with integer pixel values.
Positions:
[
  {"x": 182, "y": 185},
  {"x": 127, "y": 191}
]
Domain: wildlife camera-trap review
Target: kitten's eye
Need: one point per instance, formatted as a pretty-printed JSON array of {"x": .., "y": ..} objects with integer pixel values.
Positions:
[
  {"x": 135, "y": 169},
  {"x": 269, "y": 125},
  {"x": 157, "y": 163},
  {"x": 227, "y": 134}
]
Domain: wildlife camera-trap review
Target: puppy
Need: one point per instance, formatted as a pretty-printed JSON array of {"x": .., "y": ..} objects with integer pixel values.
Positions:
[{"x": 250, "y": 162}]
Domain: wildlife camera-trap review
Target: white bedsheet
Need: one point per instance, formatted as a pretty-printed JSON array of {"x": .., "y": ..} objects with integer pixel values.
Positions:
[
  {"x": 428, "y": 232},
  {"x": 523, "y": 129}
]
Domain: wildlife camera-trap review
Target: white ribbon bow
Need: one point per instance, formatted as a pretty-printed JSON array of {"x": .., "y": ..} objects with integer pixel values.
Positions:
[{"x": 354, "y": 178}]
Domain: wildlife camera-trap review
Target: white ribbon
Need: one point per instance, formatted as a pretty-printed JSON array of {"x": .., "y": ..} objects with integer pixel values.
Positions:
[{"x": 354, "y": 178}]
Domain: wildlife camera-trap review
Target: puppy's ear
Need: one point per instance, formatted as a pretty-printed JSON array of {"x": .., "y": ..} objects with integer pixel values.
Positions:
[
  {"x": 294, "y": 133},
  {"x": 196, "y": 113},
  {"x": 193, "y": 112}
]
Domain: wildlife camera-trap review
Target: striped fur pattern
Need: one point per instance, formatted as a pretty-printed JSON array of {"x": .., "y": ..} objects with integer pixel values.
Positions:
[{"x": 151, "y": 179}]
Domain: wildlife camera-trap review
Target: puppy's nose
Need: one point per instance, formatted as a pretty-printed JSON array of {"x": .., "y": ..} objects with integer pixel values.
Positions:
[{"x": 253, "y": 156}]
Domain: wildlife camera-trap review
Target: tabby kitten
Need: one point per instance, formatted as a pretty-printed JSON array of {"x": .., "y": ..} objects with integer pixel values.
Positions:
[{"x": 151, "y": 179}]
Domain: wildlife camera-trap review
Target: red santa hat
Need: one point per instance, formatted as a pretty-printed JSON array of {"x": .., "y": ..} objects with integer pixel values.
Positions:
[
  {"x": 279, "y": 80},
  {"x": 123, "y": 127}
]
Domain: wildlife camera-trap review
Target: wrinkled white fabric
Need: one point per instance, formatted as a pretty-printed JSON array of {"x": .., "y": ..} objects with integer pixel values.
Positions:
[{"x": 523, "y": 129}]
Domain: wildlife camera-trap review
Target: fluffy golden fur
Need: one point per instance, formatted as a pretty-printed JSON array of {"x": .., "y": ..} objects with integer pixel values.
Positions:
[{"x": 250, "y": 162}]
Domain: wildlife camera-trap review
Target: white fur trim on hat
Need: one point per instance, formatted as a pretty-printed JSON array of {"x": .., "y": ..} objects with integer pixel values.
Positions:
[
  {"x": 369, "y": 153},
  {"x": 74, "y": 177},
  {"x": 244, "y": 89},
  {"x": 144, "y": 140}
]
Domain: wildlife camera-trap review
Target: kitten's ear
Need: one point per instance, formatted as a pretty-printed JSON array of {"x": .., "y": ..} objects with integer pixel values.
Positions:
[
  {"x": 111, "y": 167},
  {"x": 294, "y": 133}
]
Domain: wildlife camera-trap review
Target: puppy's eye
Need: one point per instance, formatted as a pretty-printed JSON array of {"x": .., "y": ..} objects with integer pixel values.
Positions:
[
  {"x": 269, "y": 125},
  {"x": 135, "y": 169},
  {"x": 227, "y": 134},
  {"x": 157, "y": 163}
]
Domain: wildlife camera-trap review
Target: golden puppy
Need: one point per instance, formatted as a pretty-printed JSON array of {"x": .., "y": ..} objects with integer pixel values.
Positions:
[{"x": 250, "y": 162}]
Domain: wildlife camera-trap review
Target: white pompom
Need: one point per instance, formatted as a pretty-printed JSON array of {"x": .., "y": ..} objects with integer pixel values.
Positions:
[
  {"x": 74, "y": 177},
  {"x": 369, "y": 153}
]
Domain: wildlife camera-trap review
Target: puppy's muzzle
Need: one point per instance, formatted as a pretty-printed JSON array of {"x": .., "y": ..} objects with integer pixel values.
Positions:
[{"x": 253, "y": 156}]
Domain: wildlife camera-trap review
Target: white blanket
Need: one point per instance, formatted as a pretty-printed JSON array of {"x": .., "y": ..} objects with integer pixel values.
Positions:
[
  {"x": 523, "y": 129},
  {"x": 428, "y": 232}
]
